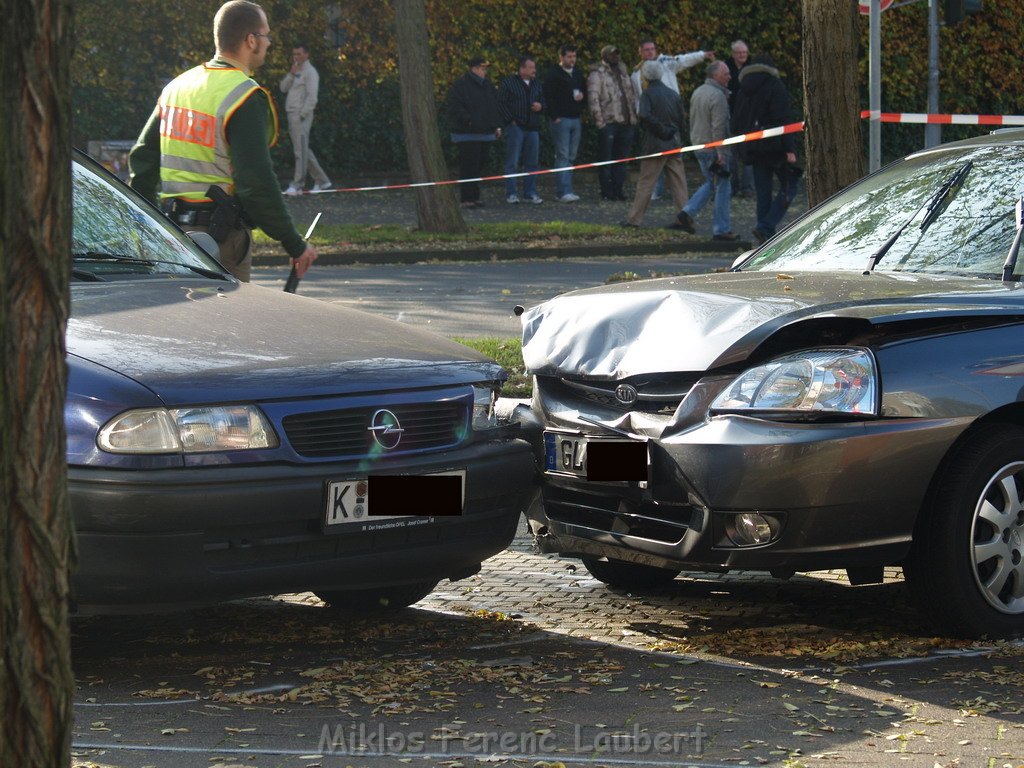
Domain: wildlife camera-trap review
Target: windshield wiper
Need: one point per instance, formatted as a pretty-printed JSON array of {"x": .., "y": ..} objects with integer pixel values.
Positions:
[
  {"x": 933, "y": 207},
  {"x": 1011, "y": 257},
  {"x": 120, "y": 259}
]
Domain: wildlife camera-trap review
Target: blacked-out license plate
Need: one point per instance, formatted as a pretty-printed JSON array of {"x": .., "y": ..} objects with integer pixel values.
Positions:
[{"x": 600, "y": 459}]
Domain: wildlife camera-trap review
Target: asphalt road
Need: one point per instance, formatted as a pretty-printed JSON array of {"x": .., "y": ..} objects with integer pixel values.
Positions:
[{"x": 472, "y": 299}]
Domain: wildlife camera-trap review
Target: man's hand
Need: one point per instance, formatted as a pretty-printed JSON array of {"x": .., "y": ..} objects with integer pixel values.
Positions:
[
  {"x": 305, "y": 260},
  {"x": 497, "y": 133},
  {"x": 536, "y": 106},
  {"x": 709, "y": 55},
  {"x": 296, "y": 66},
  {"x": 791, "y": 157}
]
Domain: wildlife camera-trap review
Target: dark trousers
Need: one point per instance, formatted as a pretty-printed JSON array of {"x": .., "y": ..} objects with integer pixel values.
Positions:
[
  {"x": 770, "y": 210},
  {"x": 614, "y": 142},
  {"x": 472, "y": 156}
]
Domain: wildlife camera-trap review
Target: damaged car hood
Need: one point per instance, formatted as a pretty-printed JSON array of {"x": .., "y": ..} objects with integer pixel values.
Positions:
[{"x": 699, "y": 322}]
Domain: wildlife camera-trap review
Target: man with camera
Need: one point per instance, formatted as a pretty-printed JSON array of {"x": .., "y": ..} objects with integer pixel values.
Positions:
[{"x": 709, "y": 121}]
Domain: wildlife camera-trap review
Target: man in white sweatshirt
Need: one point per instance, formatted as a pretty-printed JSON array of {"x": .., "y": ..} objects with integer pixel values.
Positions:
[{"x": 301, "y": 85}]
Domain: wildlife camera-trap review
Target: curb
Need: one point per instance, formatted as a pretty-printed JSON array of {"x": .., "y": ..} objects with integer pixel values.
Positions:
[{"x": 687, "y": 248}]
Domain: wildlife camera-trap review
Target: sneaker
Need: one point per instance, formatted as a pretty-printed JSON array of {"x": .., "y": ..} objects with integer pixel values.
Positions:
[
  {"x": 292, "y": 191},
  {"x": 727, "y": 236},
  {"x": 323, "y": 187},
  {"x": 569, "y": 198},
  {"x": 685, "y": 222},
  {"x": 536, "y": 199},
  {"x": 512, "y": 199},
  {"x": 655, "y": 196}
]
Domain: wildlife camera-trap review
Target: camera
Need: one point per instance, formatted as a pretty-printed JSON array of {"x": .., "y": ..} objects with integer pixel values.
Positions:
[{"x": 721, "y": 169}]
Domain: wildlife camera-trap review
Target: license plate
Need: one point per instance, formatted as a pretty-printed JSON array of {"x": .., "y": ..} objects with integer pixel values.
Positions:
[
  {"x": 600, "y": 459},
  {"x": 439, "y": 494}
]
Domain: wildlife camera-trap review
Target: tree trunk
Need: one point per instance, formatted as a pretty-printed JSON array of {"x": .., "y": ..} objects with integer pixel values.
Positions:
[
  {"x": 831, "y": 97},
  {"x": 36, "y": 683},
  {"x": 436, "y": 207}
]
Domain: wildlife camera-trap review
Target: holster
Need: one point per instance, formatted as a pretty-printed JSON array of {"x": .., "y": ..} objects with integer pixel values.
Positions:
[{"x": 227, "y": 214}]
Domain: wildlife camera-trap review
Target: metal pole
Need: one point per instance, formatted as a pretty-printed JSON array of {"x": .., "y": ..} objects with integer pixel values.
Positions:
[
  {"x": 933, "y": 132},
  {"x": 875, "y": 86}
]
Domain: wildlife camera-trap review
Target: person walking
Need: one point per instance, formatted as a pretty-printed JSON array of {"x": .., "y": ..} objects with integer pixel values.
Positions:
[
  {"x": 742, "y": 174},
  {"x": 709, "y": 122},
  {"x": 661, "y": 115},
  {"x": 763, "y": 102},
  {"x": 521, "y": 101},
  {"x": 564, "y": 92},
  {"x": 204, "y": 154},
  {"x": 301, "y": 86},
  {"x": 475, "y": 124},
  {"x": 612, "y": 101},
  {"x": 671, "y": 67}
]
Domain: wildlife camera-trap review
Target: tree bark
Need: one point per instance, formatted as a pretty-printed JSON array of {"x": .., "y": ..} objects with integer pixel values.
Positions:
[
  {"x": 436, "y": 207},
  {"x": 36, "y": 682},
  {"x": 835, "y": 156}
]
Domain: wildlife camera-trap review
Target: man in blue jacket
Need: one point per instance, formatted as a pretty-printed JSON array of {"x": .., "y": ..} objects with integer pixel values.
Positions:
[{"x": 521, "y": 102}]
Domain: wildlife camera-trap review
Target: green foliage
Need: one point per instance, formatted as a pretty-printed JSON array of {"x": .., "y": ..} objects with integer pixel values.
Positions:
[{"x": 126, "y": 52}]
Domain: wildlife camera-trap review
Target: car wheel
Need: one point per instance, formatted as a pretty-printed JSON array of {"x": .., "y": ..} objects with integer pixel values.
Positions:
[
  {"x": 616, "y": 573},
  {"x": 965, "y": 566},
  {"x": 375, "y": 600}
]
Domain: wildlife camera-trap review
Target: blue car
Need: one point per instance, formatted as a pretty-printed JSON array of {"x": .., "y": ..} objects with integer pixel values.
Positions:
[{"x": 226, "y": 440}]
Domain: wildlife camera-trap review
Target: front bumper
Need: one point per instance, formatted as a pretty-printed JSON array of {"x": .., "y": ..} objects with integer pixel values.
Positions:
[
  {"x": 847, "y": 495},
  {"x": 201, "y": 535}
]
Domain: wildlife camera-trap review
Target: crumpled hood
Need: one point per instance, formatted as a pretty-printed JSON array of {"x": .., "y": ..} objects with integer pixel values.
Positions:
[
  {"x": 699, "y": 322},
  {"x": 198, "y": 342}
]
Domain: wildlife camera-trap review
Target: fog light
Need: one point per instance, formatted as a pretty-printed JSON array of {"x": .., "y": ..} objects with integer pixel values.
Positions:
[{"x": 749, "y": 529}]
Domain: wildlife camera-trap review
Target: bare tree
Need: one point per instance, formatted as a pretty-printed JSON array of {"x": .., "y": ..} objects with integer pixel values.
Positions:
[
  {"x": 436, "y": 207},
  {"x": 36, "y": 682},
  {"x": 835, "y": 157}
]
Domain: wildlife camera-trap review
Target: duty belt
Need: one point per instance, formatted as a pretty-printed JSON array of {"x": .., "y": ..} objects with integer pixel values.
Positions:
[{"x": 184, "y": 213}]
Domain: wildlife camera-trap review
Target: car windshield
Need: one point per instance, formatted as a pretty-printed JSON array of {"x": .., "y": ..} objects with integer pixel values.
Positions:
[
  {"x": 957, "y": 204},
  {"x": 115, "y": 236}
]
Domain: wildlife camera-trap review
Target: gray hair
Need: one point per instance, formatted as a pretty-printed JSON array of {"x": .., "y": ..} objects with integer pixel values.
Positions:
[
  {"x": 714, "y": 67},
  {"x": 652, "y": 70},
  {"x": 736, "y": 44}
]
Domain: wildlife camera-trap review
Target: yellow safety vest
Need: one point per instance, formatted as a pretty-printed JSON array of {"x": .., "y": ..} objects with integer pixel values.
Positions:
[{"x": 194, "y": 110}]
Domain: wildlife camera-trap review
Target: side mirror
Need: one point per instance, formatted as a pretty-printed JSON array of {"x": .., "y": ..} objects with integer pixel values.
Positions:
[
  {"x": 742, "y": 257},
  {"x": 206, "y": 243}
]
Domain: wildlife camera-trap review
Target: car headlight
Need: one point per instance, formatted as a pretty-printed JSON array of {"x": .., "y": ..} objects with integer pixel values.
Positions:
[
  {"x": 841, "y": 381},
  {"x": 484, "y": 416},
  {"x": 188, "y": 430}
]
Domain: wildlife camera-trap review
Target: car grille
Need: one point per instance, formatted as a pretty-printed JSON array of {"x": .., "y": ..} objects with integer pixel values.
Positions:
[
  {"x": 346, "y": 434},
  {"x": 654, "y": 394}
]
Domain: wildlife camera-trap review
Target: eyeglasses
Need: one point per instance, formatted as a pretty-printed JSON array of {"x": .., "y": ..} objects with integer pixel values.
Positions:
[{"x": 270, "y": 40}]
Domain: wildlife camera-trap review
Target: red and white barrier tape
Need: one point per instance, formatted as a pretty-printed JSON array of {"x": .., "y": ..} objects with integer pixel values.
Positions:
[
  {"x": 756, "y": 135},
  {"x": 920, "y": 117}
]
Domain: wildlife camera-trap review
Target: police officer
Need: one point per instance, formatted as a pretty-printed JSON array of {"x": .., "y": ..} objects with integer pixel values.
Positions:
[{"x": 207, "y": 147}]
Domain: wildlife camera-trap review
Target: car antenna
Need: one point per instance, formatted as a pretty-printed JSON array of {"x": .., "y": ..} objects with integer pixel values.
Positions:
[
  {"x": 292, "y": 283},
  {"x": 1011, "y": 257}
]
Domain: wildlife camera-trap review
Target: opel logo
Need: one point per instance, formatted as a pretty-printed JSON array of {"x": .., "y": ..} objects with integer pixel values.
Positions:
[
  {"x": 626, "y": 394},
  {"x": 386, "y": 429}
]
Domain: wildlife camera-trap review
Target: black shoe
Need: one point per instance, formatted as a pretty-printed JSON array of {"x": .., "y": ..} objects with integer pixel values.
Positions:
[
  {"x": 677, "y": 226},
  {"x": 478, "y": 204},
  {"x": 727, "y": 236},
  {"x": 609, "y": 198},
  {"x": 759, "y": 236},
  {"x": 685, "y": 223},
  {"x": 619, "y": 196},
  {"x": 629, "y": 225}
]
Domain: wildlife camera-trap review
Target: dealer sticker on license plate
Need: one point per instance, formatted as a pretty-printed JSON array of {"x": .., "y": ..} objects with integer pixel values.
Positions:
[
  {"x": 599, "y": 459},
  {"x": 397, "y": 500}
]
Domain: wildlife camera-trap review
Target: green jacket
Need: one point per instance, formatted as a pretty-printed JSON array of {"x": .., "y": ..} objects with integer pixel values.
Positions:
[{"x": 256, "y": 184}]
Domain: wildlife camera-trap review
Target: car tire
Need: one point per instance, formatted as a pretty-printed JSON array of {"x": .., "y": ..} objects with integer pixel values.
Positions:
[
  {"x": 376, "y": 600},
  {"x": 616, "y": 573},
  {"x": 965, "y": 566}
]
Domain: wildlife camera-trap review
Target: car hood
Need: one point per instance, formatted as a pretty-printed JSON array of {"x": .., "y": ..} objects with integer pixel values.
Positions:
[
  {"x": 697, "y": 323},
  {"x": 192, "y": 341}
]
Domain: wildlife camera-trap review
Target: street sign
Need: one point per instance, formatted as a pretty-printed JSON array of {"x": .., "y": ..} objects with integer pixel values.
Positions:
[{"x": 864, "y": 6}]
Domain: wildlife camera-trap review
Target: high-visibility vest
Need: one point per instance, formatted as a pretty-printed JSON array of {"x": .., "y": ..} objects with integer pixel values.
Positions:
[{"x": 194, "y": 110}]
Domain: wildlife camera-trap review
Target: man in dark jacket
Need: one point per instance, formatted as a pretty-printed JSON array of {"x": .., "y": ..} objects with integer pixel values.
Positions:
[
  {"x": 476, "y": 123},
  {"x": 661, "y": 115},
  {"x": 763, "y": 102},
  {"x": 564, "y": 92},
  {"x": 521, "y": 102}
]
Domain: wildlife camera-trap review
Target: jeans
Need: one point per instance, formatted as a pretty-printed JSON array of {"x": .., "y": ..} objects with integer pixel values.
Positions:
[
  {"x": 719, "y": 186},
  {"x": 524, "y": 144},
  {"x": 742, "y": 175},
  {"x": 771, "y": 210},
  {"x": 614, "y": 142},
  {"x": 565, "y": 135}
]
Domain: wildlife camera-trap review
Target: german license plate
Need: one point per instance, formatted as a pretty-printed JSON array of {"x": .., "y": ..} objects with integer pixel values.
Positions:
[
  {"x": 419, "y": 497},
  {"x": 599, "y": 459}
]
